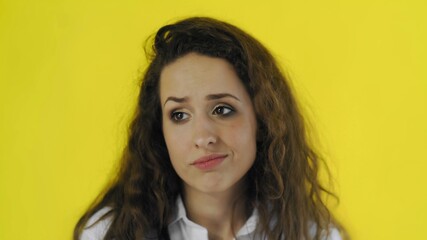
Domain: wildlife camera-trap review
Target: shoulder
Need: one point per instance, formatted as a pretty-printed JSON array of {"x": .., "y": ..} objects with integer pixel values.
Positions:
[
  {"x": 94, "y": 229},
  {"x": 333, "y": 235}
]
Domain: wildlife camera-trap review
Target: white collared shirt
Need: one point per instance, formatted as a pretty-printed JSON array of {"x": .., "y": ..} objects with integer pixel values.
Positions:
[{"x": 182, "y": 228}]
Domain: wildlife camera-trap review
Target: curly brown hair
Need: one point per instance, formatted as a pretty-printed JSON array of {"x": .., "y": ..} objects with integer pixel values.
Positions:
[{"x": 283, "y": 182}]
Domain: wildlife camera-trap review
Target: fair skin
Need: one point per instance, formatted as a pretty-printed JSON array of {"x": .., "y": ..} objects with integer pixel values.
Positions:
[{"x": 209, "y": 127}]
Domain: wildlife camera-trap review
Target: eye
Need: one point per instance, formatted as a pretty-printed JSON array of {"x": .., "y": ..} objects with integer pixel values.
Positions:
[
  {"x": 179, "y": 116},
  {"x": 223, "y": 110}
]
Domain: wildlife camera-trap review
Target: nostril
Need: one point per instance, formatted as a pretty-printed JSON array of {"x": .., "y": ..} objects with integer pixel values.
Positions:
[
  {"x": 211, "y": 140},
  {"x": 205, "y": 141}
]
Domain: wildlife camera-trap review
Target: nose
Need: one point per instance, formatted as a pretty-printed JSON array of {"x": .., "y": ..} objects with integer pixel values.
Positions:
[{"x": 204, "y": 133}]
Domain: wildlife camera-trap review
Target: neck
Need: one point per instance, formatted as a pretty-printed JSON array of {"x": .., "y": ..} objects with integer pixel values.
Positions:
[{"x": 223, "y": 214}]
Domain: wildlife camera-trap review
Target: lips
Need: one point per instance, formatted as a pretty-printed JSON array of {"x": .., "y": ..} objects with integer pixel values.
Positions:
[{"x": 209, "y": 162}]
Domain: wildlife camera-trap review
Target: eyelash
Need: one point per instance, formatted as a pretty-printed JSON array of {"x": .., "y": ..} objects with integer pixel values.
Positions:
[
  {"x": 175, "y": 114},
  {"x": 230, "y": 109}
]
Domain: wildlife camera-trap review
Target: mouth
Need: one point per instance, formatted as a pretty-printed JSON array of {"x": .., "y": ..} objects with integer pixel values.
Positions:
[{"x": 209, "y": 162}]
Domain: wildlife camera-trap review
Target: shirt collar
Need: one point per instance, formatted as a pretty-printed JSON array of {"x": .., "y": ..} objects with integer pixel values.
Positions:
[{"x": 181, "y": 214}]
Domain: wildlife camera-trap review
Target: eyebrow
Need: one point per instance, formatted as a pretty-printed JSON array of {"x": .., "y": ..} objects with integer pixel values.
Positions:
[
  {"x": 220, "y": 95},
  {"x": 208, "y": 97},
  {"x": 176, "y": 99}
]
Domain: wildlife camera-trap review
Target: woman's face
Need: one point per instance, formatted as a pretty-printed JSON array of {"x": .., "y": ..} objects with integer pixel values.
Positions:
[{"x": 209, "y": 123}]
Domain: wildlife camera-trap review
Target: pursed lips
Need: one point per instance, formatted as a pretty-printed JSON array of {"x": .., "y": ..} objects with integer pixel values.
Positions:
[{"x": 208, "y": 158}]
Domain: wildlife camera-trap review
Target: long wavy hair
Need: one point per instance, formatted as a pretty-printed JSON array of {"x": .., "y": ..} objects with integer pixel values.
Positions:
[{"x": 283, "y": 182}]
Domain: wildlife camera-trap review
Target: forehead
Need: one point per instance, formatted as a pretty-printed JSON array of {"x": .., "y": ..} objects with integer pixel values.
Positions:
[{"x": 195, "y": 74}]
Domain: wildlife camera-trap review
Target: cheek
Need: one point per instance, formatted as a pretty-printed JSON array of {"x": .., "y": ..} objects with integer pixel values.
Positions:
[
  {"x": 173, "y": 151},
  {"x": 243, "y": 138},
  {"x": 176, "y": 141}
]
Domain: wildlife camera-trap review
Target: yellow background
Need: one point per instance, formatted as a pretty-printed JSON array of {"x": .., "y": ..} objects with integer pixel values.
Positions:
[{"x": 69, "y": 74}]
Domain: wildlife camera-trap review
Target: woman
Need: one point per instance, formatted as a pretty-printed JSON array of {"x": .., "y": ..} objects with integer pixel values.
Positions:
[{"x": 217, "y": 148}]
